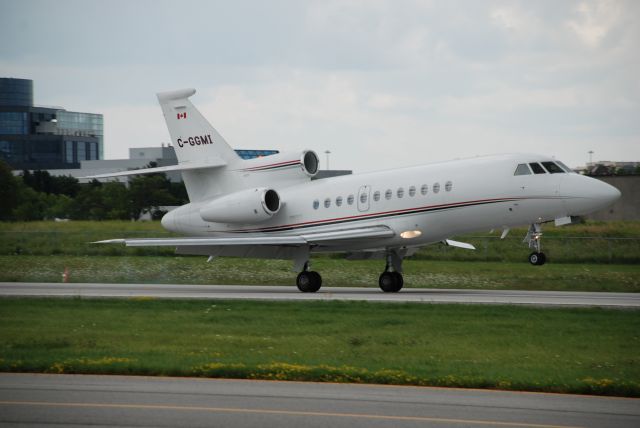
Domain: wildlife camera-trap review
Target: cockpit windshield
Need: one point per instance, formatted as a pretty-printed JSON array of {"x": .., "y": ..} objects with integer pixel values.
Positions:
[
  {"x": 552, "y": 168},
  {"x": 556, "y": 167},
  {"x": 566, "y": 168}
]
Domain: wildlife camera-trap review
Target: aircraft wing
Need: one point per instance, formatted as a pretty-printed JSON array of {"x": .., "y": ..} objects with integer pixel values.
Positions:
[{"x": 310, "y": 238}]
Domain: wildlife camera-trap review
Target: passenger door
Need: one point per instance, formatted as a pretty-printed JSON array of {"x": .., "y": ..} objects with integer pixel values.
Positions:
[{"x": 363, "y": 198}]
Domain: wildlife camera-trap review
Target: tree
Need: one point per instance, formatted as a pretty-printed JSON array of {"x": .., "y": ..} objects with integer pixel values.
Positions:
[
  {"x": 42, "y": 181},
  {"x": 149, "y": 192},
  {"x": 88, "y": 203},
  {"x": 116, "y": 200},
  {"x": 31, "y": 204},
  {"x": 8, "y": 192}
]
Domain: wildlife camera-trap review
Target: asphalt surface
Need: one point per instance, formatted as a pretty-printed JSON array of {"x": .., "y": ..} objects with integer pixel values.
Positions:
[
  {"x": 264, "y": 292},
  {"x": 117, "y": 401}
]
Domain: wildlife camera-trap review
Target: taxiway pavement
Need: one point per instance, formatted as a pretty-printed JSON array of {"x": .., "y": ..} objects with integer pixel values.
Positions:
[
  {"x": 265, "y": 292},
  {"x": 109, "y": 401}
]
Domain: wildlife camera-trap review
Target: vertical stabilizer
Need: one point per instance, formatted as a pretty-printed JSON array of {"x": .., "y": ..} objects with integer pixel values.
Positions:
[
  {"x": 193, "y": 137},
  {"x": 196, "y": 141}
]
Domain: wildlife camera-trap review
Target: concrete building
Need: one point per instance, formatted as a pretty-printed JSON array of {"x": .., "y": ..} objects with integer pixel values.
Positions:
[
  {"x": 606, "y": 168},
  {"x": 38, "y": 137}
]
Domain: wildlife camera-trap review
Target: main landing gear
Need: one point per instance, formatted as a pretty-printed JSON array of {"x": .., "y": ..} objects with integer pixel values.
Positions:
[
  {"x": 391, "y": 280},
  {"x": 534, "y": 239},
  {"x": 308, "y": 281}
]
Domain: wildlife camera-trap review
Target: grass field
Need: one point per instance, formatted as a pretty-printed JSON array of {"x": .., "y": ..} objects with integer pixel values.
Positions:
[
  {"x": 335, "y": 272},
  {"x": 590, "y": 351},
  {"x": 614, "y": 242},
  {"x": 581, "y": 257}
]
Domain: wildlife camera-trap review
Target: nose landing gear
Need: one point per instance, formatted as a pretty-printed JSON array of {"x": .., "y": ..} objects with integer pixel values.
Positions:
[{"x": 534, "y": 239}]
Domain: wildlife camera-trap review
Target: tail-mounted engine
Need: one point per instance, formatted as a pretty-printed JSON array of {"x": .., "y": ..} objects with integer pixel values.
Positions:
[
  {"x": 289, "y": 164},
  {"x": 246, "y": 206}
]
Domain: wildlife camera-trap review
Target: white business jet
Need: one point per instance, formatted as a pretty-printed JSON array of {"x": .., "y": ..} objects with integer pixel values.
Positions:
[{"x": 270, "y": 208}]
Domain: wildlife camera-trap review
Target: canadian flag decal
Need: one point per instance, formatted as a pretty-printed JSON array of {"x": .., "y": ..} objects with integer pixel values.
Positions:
[{"x": 182, "y": 115}]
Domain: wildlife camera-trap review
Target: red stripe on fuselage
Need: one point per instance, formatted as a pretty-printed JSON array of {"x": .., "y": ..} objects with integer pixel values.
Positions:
[
  {"x": 382, "y": 213},
  {"x": 273, "y": 165}
]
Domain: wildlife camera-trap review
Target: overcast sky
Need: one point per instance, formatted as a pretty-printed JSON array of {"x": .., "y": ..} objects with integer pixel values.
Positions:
[{"x": 378, "y": 83}]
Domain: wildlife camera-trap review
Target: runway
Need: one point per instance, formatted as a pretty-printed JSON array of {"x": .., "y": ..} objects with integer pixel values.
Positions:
[
  {"x": 109, "y": 401},
  {"x": 291, "y": 293}
]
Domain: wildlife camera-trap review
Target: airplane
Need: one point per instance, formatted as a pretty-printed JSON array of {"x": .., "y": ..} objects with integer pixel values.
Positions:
[{"x": 270, "y": 207}]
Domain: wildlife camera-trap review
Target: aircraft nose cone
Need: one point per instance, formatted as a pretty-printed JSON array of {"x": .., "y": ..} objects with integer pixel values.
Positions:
[
  {"x": 608, "y": 194},
  {"x": 588, "y": 194}
]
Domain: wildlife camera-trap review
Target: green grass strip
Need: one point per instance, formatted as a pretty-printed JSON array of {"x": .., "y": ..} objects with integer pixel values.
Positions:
[
  {"x": 586, "y": 351},
  {"x": 335, "y": 272}
]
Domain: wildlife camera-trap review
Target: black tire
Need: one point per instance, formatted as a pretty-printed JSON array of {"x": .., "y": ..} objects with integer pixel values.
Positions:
[
  {"x": 542, "y": 259},
  {"x": 537, "y": 259},
  {"x": 399, "y": 280},
  {"x": 309, "y": 282},
  {"x": 317, "y": 281},
  {"x": 390, "y": 282}
]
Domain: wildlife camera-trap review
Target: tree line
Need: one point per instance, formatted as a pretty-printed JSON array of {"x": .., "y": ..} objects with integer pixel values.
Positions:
[{"x": 38, "y": 195}]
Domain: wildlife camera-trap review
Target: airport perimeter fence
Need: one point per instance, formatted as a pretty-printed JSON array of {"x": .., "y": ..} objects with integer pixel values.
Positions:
[{"x": 582, "y": 249}]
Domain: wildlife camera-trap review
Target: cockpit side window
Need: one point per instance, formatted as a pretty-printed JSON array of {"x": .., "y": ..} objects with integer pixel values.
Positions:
[
  {"x": 537, "y": 168},
  {"x": 522, "y": 169},
  {"x": 566, "y": 168},
  {"x": 553, "y": 168}
]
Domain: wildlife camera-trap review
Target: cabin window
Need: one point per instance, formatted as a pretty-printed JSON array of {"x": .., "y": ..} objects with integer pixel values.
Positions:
[
  {"x": 327, "y": 203},
  {"x": 412, "y": 191},
  {"x": 376, "y": 195},
  {"x": 363, "y": 198},
  {"x": 522, "y": 169},
  {"x": 436, "y": 187},
  {"x": 400, "y": 192},
  {"x": 424, "y": 189},
  {"x": 350, "y": 199},
  {"x": 388, "y": 194},
  {"x": 537, "y": 168},
  {"x": 339, "y": 201},
  {"x": 552, "y": 168},
  {"x": 316, "y": 204},
  {"x": 448, "y": 186}
]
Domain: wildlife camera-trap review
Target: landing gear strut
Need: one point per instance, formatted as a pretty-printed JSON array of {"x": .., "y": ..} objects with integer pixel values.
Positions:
[
  {"x": 391, "y": 281},
  {"x": 534, "y": 239},
  {"x": 308, "y": 281}
]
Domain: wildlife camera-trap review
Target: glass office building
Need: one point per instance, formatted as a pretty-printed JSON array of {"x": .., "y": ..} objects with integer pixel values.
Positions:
[
  {"x": 250, "y": 154},
  {"x": 34, "y": 137}
]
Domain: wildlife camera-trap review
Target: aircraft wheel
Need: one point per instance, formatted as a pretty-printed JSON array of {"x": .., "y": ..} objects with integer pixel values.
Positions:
[
  {"x": 399, "y": 280},
  {"x": 390, "y": 282},
  {"x": 537, "y": 259},
  {"x": 309, "y": 281}
]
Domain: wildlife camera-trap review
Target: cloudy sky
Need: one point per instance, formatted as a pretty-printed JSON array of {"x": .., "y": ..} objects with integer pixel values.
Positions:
[{"x": 378, "y": 83}]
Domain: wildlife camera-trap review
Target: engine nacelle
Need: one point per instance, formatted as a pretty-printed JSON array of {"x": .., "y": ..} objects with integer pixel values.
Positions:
[
  {"x": 246, "y": 206},
  {"x": 290, "y": 164}
]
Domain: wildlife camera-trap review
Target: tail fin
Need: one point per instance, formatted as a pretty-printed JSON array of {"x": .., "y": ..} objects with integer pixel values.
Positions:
[
  {"x": 197, "y": 142},
  {"x": 193, "y": 137}
]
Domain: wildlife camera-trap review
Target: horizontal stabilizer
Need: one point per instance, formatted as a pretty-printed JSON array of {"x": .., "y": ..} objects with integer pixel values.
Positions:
[
  {"x": 186, "y": 166},
  {"x": 458, "y": 244}
]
